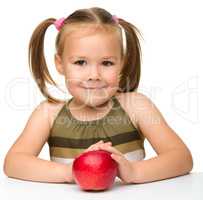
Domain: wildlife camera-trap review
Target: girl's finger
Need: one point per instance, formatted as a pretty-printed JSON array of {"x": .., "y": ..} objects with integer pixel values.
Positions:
[
  {"x": 100, "y": 142},
  {"x": 118, "y": 158},
  {"x": 110, "y": 149},
  {"x": 108, "y": 143},
  {"x": 96, "y": 146},
  {"x": 89, "y": 148}
]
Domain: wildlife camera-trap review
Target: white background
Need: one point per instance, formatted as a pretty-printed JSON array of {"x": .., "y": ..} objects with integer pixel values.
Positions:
[{"x": 171, "y": 68}]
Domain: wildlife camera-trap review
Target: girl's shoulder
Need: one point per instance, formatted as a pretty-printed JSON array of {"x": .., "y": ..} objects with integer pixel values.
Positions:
[
  {"x": 52, "y": 109},
  {"x": 133, "y": 103},
  {"x": 133, "y": 100}
]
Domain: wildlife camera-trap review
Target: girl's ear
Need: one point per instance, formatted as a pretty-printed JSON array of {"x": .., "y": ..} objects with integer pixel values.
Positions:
[{"x": 59, "y": 64}]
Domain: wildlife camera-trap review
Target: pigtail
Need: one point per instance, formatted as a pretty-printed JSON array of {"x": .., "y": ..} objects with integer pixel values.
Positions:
[
  {"x": 37, "y": 62},
  {"x": 130, "y": 75}
]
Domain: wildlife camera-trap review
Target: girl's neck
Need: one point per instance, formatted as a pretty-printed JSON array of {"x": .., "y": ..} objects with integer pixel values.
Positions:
[{"x": 77, "y": 105}]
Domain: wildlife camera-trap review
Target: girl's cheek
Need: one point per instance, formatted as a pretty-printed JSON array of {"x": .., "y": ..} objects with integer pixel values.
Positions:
[
  {"x": 113, "y": 78},
  {"x": 73, "y": 76}
]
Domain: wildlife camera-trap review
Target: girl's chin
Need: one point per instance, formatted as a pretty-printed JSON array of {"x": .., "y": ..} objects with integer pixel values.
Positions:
[{"x": 95, "y": 102}]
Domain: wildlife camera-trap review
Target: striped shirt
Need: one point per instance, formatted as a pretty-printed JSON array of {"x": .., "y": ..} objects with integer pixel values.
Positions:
[{"x": 69, "y": 136}]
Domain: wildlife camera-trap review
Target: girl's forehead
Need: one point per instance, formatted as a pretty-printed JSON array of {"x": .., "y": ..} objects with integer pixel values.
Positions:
[{"x": 91, "y": 36}]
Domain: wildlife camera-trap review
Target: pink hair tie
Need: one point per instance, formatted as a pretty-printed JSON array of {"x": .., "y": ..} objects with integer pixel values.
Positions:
[
  {"x": 115, "y": 19},
  {"x": 59, "y": 23}
]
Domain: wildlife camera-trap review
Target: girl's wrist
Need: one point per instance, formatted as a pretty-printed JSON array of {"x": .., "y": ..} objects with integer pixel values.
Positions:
[
  {"x": 135, "y": 174},
  {"x": 68, "y": 176}
]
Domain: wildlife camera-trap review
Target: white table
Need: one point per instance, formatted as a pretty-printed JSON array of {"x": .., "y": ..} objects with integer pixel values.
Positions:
[{"x": 188, "y": 187}]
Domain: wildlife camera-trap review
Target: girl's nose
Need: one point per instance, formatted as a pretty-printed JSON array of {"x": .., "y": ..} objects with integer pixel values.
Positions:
[{"x": 94, "y": 73}]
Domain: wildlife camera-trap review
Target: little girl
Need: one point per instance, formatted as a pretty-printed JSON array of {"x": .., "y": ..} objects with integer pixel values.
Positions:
[{"x": 99, "y": 56}]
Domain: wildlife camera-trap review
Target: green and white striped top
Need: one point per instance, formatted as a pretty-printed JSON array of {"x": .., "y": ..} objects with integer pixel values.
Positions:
[{"x": 69, "y": 137}]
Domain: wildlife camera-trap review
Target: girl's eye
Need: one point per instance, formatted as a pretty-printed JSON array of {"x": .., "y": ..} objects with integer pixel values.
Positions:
[
  {"x": 107, "y": 63},
  {"x": 79, "y": 62}
]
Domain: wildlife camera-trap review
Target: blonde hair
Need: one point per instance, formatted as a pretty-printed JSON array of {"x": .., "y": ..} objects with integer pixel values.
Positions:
[{"x": 130, "y": 74}]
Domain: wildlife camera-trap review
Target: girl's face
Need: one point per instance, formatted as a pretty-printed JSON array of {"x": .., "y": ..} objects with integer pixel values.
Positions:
[{"x": 91, "y": 64}]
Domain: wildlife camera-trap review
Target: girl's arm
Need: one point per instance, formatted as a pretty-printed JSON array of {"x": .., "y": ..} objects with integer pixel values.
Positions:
[
  {"x": 21, "y": 160},
  {"x": 173, "y": 157}
]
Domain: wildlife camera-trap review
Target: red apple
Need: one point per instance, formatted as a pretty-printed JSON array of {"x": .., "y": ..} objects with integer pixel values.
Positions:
[{"x": 95, "y": 170}]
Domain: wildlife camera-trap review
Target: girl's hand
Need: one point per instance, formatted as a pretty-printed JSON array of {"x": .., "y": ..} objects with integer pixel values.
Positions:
[
  {"x": 96, "y": 146},
  {"x": 125, "y": 167}
]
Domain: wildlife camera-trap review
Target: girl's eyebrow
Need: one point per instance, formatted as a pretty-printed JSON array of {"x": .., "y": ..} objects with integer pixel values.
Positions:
[
  {"x": 83, "y": 57},
  {"x": 110, "y": 57},
  {"x": 76, "y": 57}
]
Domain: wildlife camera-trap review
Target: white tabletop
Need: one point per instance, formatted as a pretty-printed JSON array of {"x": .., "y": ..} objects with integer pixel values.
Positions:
[{"x": 188, "y": 187}]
